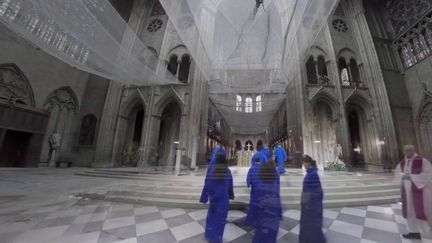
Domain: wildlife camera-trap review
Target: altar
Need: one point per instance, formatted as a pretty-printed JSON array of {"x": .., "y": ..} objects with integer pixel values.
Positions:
[{"x": 244, "y": 158}]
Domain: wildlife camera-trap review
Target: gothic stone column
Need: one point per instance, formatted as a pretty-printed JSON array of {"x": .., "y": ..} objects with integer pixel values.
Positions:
[
  {"x": 106, "y": 135},
  {"x": 342, "y": 135},
  {"x": 375, "y": 78}
]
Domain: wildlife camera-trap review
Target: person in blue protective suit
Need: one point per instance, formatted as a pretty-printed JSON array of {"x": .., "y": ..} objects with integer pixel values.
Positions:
[
  {"x": 280, "y": 157},
  {"x": 251, "y": 178},
  {"x": 311, "y": 218},
  {"x": 267, "y": 153},
  {"x": 218, "y": 188},
  {"x": 216, "y": 150},
  {"x": 260, "y": 155},
  {"x": 265, "y": 212}
]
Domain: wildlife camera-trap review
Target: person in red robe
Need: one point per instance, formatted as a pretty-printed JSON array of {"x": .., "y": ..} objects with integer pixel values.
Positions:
[{"x": 416, "y": 192}]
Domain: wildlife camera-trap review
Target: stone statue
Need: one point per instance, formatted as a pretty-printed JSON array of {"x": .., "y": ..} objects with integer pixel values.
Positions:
[
  {"x": 338, "y": 152},
  {"x": 54, "y": 143},
  {"x": 259, "y": 3}
]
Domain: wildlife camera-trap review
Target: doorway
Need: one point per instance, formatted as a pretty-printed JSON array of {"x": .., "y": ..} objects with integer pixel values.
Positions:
[{"x": 13, "y": 152}]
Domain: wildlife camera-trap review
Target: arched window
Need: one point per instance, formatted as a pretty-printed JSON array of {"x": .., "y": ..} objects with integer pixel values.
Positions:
[
  {"x": 345, "y": 77},
  {"x": 420, "y": 48},
  {"x": 184, "y": 68},
  {"x": 354, "y": 71},
  {"x": 258, "y": 104},
  {"x": 88, "y": 130},
  {"x": 322, "y": 68},
  {"x": 428, "y": 35},
  {"x": 10, "y": 9},
  {"x": 172, "y": 65},
  {"x": 407, "y": 56},
  {"x": 239, "y": 103},
  {"x": 311, "y": 71},
  {"x": 248, "y": 105}
]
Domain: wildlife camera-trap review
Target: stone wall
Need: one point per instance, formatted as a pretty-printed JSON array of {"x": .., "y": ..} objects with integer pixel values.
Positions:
[{"x": 45, "y": 74}]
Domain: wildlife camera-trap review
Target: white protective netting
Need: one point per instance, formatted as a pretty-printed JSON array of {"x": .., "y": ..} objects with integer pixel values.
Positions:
[
  {"x": 248, "y": 47},
  {"x": 240, "y": 46},
  {"x": 87, "y": 34}
]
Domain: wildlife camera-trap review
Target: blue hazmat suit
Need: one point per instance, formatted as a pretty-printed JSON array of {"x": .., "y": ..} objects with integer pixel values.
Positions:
[
  {"x": 216, "y": 150},
  {"x": 268, "y": 154},
  {"x": 311, "y": 219},
  {"x": 265, "y": 211},
  {"x": 280, "y": 157},
  {"x": 218, "y": 192}
]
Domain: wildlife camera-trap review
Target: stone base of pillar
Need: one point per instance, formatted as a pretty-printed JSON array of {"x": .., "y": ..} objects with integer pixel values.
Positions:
[
  {"x": 52, "y": 159},
  {"x": 374, "y": 167},
  {"x": 102, "y": 164},
  {"x": 178, "y": 162}
]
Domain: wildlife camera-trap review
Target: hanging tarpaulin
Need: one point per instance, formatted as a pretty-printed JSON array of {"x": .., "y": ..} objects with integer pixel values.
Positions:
[
  {"x": 246, "y": 34},
  {"x": 87, "y": 34},
  {"x": 248, "y": 47}
]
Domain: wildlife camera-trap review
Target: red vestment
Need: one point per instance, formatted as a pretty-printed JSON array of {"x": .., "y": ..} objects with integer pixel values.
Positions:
[{"x": 417, "y": 193}]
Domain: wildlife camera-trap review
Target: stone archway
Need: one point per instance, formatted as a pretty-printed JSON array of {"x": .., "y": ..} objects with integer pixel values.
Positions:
[
  {"x": 362, "y": 136},
  {"x": 249, "y": 146},
  {"x": 424, "y": 122},
  {"x": 325, "y": 132},
  {"x": 63, "y": 104},
  {"x": 169, "y": 134},
  {"x": 132, "y": 140}
]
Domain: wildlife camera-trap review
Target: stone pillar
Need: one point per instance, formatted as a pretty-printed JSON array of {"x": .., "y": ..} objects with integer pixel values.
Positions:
[
  {"x": 104, "y": 154},
  {"x": 147, "y": 147},
  {"x": 178, "y": 68},
  {"x": 317, "y": 71},
  {"x": 194, "y": 153},
  {"x": 105, "y": 139},
  {"x": 342, "y": 135},
  {"x": 375, "y": 78},
  {"x": 181, "y": 150}
]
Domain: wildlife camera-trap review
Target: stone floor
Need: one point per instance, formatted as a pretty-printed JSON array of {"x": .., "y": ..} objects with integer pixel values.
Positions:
[{"x": 38, "y": 205}]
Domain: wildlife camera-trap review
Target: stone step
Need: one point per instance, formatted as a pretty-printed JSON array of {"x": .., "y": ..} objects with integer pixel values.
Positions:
[
  {"x": 243, "y": 189},
  {"x": 240, "y": 182},
  {"x": 237, "y": 204},
  {"x": 244, "y": 196},
  {"x": 191, "y": 175},
  {"x": 194, "y": 179},
  {"x": 184, "y": 191}
]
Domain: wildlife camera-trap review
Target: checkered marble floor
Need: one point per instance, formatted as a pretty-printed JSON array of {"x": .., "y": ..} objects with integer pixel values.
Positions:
[{"x": 84, "y": 221}]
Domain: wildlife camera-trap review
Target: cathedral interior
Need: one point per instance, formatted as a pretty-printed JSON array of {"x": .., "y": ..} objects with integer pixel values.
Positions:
[{"x": 115, "y": 89}]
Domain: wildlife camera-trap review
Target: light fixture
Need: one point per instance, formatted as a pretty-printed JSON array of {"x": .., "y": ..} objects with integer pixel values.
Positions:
[
  {"x": 357, "y": 149},
  {"x": 317, "y": 141}
]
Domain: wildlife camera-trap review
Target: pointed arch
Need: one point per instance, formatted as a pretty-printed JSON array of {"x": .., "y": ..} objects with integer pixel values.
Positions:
[
  {"x": 132, "y": 102},
  {"x": 14, "y": 85},
  {"x": 325, "y": 97},
  {"x": 63, "y": 98},
  {"x": 168, "y": 98},
  {"x": 346, "y": 53},
  {"x": 361, "y": 101}
]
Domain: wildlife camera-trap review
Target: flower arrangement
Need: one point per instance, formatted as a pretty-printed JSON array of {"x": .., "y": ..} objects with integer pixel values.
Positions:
[{"x": 335, "y": 165}]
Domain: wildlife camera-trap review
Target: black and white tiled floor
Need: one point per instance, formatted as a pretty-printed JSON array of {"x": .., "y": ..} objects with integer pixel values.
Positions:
[{"x": 82, "y": 221}]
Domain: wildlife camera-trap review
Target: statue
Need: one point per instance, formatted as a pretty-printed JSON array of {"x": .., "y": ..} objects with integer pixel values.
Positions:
[
  {"x": 338, "y": 152},
  {"x": 54, "y": 143},
  {"x": 259, "y": 3}
]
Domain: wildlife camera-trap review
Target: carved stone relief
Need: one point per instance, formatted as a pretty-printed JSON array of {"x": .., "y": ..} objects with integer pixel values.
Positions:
[
  {"x": 14, "y": 87},
  {"x": 63, "y": 99},
  {"x": 405, "y": 13}
]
